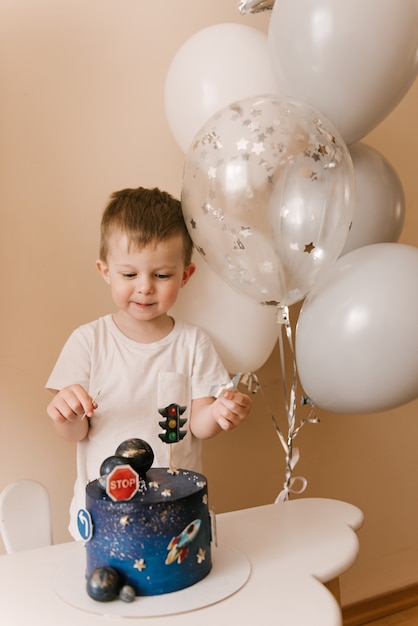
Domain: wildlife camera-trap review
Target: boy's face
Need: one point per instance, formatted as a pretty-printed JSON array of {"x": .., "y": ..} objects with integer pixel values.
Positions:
[{"x": 145, "y": 282}]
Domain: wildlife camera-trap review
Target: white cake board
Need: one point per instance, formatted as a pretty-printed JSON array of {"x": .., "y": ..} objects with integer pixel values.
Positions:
[{"x": 230, "y": 571}]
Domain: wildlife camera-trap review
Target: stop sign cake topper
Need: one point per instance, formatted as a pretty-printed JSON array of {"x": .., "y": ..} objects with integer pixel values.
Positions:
[
  {"x": 122, "y": 483},
  {"x": 123, "y": 474}
]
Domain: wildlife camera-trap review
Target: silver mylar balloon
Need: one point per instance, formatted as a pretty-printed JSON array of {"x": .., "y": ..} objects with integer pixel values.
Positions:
[{"x": 268, "y": 196}]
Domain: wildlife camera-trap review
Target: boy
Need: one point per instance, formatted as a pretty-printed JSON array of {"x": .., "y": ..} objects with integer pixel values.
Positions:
[{"x": 140, "y": 359}]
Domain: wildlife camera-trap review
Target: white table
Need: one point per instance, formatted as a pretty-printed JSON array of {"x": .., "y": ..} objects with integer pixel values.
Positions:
[{"x": 293, "y": 547}]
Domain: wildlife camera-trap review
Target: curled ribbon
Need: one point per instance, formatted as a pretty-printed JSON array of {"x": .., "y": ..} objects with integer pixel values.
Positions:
[
  {"x": 250, "y": 380},
  {"x": 292, "y": 453},
  {"x": 289, "y": 486},
  {"x": 287, "y": 441}
]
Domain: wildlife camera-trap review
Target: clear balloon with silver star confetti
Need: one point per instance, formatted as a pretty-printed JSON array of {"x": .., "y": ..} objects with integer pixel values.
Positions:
[{"x": 268, "y": 196}]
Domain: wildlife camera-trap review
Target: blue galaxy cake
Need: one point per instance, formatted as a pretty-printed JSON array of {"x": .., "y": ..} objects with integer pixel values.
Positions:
[{"x": 150, "y": 531}]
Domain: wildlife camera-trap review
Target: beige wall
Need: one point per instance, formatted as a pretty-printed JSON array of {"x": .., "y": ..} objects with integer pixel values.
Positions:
[{"x": 81, "y": 115}]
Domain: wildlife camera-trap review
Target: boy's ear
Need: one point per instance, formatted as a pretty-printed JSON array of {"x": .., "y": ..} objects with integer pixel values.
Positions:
[
  {"x": 103, "y": 269},
  {"x": 187, "y": 273}
]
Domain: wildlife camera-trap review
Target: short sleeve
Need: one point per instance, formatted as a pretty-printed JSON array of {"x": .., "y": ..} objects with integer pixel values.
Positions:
[
  {"x": 73, "y": 364},
  {"x": 208, "y": 369}
]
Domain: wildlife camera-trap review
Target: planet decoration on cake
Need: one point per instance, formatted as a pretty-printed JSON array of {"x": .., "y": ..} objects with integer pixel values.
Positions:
[
  {"x": 149, "y": 529},
  {"x": 134, "y": 452}
]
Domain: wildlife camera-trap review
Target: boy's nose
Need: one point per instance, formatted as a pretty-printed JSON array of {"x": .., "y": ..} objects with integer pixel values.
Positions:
[{"x": 144, "y": 285}]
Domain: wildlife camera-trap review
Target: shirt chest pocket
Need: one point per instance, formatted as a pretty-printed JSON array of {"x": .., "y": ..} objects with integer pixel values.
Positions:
[{"x": 173, "y": 388}]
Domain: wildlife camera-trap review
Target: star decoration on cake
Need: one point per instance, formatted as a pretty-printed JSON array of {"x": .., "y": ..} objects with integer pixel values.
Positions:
[
  {"x": 309, "y": 247},
  {"x": 201, "y": 555},
  {"x": 125, "y": 520},
  {"x": 166, "y": 493},
  {"x": 140, "y": 565},
  {"x": 154, "y": 484}
]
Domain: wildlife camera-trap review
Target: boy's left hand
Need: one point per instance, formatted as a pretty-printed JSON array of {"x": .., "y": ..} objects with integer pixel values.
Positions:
[{"x": 230, "y": 409}]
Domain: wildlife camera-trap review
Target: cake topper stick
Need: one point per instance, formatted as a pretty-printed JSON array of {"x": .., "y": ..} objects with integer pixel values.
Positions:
[
  {"x": 170, "y": 460},
  {"x": 93, "y": 400}
]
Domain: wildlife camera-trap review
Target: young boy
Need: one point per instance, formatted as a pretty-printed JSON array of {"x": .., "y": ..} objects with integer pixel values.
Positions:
[{"x": 140, "y": 359}]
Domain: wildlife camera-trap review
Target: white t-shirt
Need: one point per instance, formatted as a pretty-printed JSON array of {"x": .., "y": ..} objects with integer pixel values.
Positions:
[{"x": 135, "y": 379}]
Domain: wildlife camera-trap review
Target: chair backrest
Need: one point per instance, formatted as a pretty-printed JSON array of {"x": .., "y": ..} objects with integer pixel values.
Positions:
[{"x": 25, "y": 516}]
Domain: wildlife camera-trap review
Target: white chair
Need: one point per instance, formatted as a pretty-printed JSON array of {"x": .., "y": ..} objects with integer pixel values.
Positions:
[{"x": 25, "y": 516}]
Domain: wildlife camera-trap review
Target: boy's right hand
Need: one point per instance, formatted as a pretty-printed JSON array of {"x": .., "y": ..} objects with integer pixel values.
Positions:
[{"x": 71, "y": 403}]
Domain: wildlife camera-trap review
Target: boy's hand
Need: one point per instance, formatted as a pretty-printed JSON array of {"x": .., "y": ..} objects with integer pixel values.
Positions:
[
  {"x": 230, "y": 409},
  {"x": 70, "y": 404}
]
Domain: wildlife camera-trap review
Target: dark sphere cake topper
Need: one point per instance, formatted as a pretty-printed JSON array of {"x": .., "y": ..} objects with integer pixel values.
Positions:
[
  {"x": 108, "y": 465},
  {"x": 137, "y": 453},
  {"x": 104, "y": 584}
]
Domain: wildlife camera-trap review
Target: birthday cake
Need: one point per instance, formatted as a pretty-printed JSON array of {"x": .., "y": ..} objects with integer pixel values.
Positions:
[{"x": 147, "y": 530}]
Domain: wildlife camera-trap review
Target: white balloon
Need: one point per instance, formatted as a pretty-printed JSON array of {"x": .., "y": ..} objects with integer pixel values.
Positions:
[
  {"x": 357, "y": 332},
  {"x": 243, "y": 332},
  {"x": 379, "y": 209},
  {"x": 353, "y": 60},
  {"x": 216, "y": 66}
]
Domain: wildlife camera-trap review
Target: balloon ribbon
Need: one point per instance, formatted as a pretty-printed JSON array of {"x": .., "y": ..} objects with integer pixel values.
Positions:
[
  {"x": 250, "y": 380},
  {"x": 292, "y": 453},
  {"x": 287, "y": 441}
]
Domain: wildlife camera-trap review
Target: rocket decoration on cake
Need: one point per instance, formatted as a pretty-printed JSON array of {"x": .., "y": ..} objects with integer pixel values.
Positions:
[{"x": 179, "y": 546}]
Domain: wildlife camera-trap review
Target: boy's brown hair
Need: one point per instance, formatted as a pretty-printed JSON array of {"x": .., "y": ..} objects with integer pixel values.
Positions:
[{"x": 145, "y": 216}]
